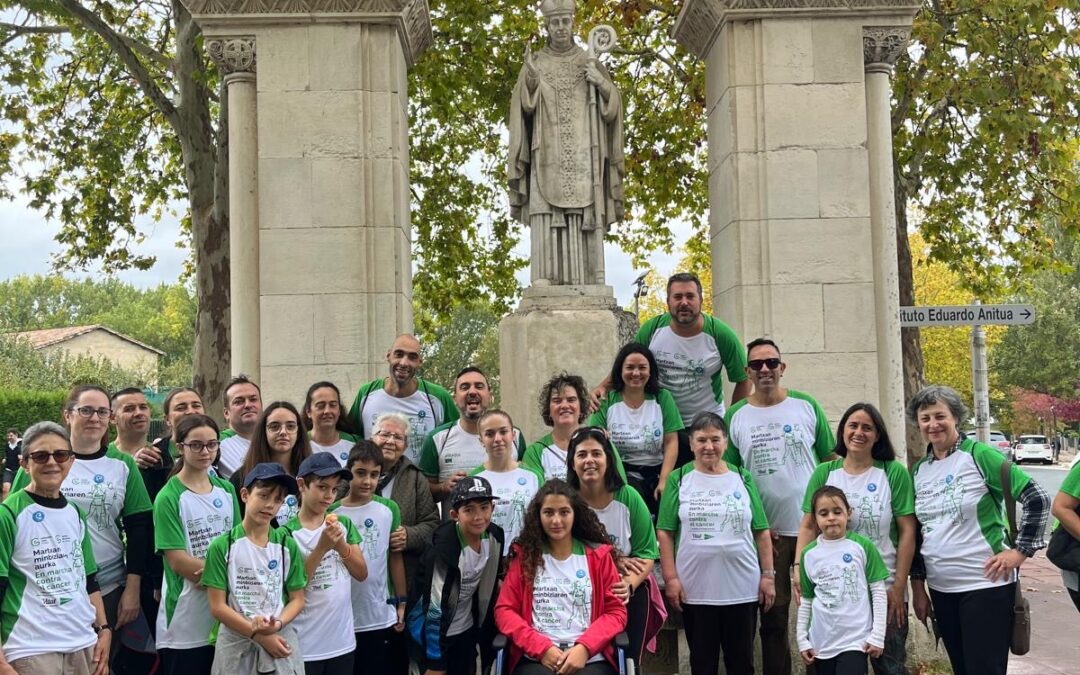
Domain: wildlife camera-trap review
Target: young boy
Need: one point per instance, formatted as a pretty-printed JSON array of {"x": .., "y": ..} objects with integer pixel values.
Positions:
[
  {"x": 331, "y": 556},
  {"x": 248, "y": 574},
  {"x": 452, "y": 600},
  {"x": 378, "y": 602}
]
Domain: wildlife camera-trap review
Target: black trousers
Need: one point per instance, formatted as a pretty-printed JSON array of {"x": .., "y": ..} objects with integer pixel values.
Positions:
[
  {"x": 976, "y": 627},
  {"x": 339, "y": 665},
  {"x": 637, "y": 612},
  {"x": 459, "y": 654},
  {"x": 186, "y": 661},
  {"x": 711, "y": 629},
  {"x": 644, "y": 479},
  {"x": 845, "y": 663},
  {"x": 381, "y": 651}
]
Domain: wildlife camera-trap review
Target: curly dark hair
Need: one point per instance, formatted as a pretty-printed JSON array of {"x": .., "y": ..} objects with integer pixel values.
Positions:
[
  {"x": 586, "y": 528},
  {"x": 555, "y": 385}
]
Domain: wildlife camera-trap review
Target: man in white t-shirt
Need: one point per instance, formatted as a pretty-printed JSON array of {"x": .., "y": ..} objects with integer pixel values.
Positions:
[
  {"x": 243, "y": 405},
  {"x": 425, "y": 404},
  {"x": 779, "y": 435}
]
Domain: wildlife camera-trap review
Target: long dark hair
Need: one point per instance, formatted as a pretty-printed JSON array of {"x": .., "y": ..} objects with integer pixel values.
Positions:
[
  {"x": 342, "y": 425},
  {"x": 532, "y": 540},
  {"x": 184, "y": 427},
  {"x": 882, "y": 450},
  {"x": 260, "y": 442},
  {"x": 612, "y": 480},
  {"x": 652, "y": 385}
]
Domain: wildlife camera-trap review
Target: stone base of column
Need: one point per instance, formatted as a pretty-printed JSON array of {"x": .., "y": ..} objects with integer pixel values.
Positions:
[{"x": 577, "y": 329}]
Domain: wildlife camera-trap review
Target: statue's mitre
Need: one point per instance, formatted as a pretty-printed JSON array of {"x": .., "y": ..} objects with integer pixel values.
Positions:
[{"x": 554, "y": 7}]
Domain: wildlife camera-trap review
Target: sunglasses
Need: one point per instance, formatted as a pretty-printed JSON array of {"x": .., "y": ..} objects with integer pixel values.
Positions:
[
  {"x": 758, "y": 364},
  {"x": 585, "y": 431},
  {"x": 59, "y": 456}
]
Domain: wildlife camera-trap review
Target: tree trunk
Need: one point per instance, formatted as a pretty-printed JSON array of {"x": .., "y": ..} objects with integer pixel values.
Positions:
[
  {"x": 910, "y": 343},
  {"x": 206, "y": 174}
]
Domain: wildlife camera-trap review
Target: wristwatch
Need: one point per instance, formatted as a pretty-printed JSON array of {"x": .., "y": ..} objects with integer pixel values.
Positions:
[{"x": 100, "y": 627}]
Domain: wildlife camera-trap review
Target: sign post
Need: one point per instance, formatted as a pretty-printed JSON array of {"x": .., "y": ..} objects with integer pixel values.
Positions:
[{"x": 976, "y": 315}]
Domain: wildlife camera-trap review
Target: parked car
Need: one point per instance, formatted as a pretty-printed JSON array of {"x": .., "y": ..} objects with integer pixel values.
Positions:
[
  {"x": 998, "y": 440},
  {"x": 1033, "y": 447}
]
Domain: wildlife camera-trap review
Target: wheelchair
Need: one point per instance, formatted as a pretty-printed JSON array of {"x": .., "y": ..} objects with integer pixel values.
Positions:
[{"x": 622, "y": 643}]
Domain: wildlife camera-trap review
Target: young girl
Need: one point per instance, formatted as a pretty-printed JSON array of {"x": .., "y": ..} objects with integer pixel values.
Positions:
[
  {"x": 514, "y": 485},
  {"x": 557, "y": 606},
  {"x": 842, "y": 615},
  {"x": 192, "y": 509}
]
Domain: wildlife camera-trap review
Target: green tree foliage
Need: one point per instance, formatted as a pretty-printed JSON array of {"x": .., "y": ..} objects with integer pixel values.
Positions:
[
  {"x": 696, "y": 259},
  {"x": 162, "y": 317},
  {"x": 20, "y": 408},
  {"x": 469, "y": 338},
  {"x": 26, "y": 369}
]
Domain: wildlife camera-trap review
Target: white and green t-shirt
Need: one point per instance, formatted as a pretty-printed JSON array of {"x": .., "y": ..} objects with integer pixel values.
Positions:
[
  {"x": 325, "y": 625},
  {"x": 878, "y": 496},
  {"x": 545, "y": 457},
  {"x": 714, "y": 517},
  {"x": 1071, "y": 487},
  {"x": 471, "y": 564},
  {"x": 638, "y": 433},
  {"x": 374, "y": 521},
  {"x": 690, "y": 368},
  {"x": 46, "y": 555},
  {"x": 450, "y": 448},
  {"x": 256, "y": 579},
  {"x": 835, "y": 577},
  {"x": 562, "y": 598},
  {"x": 106, "y": 487},
  {"x": 233, "y": 451},
  {"x": 780, "y": 445},
  {"x": 514, "y": 489},
  {"x": 188, "y": 521},
  {"x": 958, "y": 502},
  {"x": 427, "y": 408},
  {"x": 629, "y": 524},
  {"x": 339, "y": 450}
]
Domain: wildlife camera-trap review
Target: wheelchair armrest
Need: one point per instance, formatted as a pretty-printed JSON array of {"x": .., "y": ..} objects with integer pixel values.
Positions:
[
  {"x": 499, "y": 643},
  {"x": 622, "y": 641}
]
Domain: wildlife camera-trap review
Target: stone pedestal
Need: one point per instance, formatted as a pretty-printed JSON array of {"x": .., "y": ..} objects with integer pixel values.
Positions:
[
  {"x": 321, "y": 191},
  {"x": 790, "y": 190},
  {"x": 577, "y": 329}
]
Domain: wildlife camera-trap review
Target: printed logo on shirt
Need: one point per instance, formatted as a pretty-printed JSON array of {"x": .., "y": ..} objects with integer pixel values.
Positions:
[
  {"x": 847, "y": 557},
  {"x": 369, "y": 541},
  {"x": 98, "y": 478},
  {"x": 38, "y": 516},
  {"x": 421, "y": 414},
  {"x": 218, "y": 503},
  {"x": 867, "y": 515},
  {"x": 344, "y": 456},
  {"x": 580, "y": 574},
  {"x": 521, "y": 480},
  {"x": 100, "y": 496},
  {"x": 872, "y": 487},
  {"x": 941, "y": 501},
  {"x": 272, "y": 565},
  {"x": 290, "y": 501}
]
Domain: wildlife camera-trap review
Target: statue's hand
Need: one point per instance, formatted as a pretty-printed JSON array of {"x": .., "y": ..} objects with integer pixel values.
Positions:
[
  {"x": 532, "y": 74},
  {"x": 598, "y": 79}
]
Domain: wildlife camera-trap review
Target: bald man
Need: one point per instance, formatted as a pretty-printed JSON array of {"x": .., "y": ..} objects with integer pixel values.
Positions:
[{"x": 426, "y": 404}]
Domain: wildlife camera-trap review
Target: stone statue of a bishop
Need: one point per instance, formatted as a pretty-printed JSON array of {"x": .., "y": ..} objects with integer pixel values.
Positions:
[{"x": 566, "y": 163}]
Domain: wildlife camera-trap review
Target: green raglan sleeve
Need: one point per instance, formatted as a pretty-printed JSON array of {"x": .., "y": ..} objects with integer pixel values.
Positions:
[
  {"x": 228, "y": 487},
  {"x": 599, "y": 417},
  {"x": 168, "y": 530},
  {"x": 539, "y": 475},
  {"x": 297, "y": 578},
  {"x": 7, "y": 537},
  {"x": 732, "y": 455},
  {"x": 531, "y": 459},
  {"x": 732, "y": 353},
  {"x": 669, "y": 411},
  {"x": 817, "y": 479},
  {"x": 1071, "y": 484},
  {"x": 824, "y": 441},
  {"x": 20, "y": 481},
  {"x": 215, "y": 574},
  {"x": 758, "y": 520},
  {"x": 667, "y": 518},
  {"x": 450, "y": 411},
  {"x": 805, "y": 584},
  {"x": 520, "y": 443},
  {"x": 429, "y": 456},
  {"x": 645, "y": 333},
  {"x": 990, "y": 461},
  {"x": 902, "y": 488},
  {"x": 395, "y": 514},
  {"x": 875, "y": 566},
  {"x": 89, "y": 561},
  {"x": 352, "y": 535},
  {"x": 356, "y": 407},
  {"x": 642, "y": 535},
  {"x": 136, "y": 498}
]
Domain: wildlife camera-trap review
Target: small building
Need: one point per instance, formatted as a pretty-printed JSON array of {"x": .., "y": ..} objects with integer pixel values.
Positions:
[{"x": 97, "y": 342}]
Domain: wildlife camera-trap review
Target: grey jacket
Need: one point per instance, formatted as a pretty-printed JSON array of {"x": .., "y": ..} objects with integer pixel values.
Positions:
[{"x": 411, "y": 491}]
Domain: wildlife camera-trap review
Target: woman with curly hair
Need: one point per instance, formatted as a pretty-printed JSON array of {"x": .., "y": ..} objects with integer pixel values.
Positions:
[{"x": 558, "y": 607}]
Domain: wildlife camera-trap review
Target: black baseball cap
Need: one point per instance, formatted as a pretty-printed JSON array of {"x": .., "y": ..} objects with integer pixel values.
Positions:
[
  {"x": 271, "y": 471},
  {"x": 471, "y": 489},
  {"x": 323, "y": 465}
]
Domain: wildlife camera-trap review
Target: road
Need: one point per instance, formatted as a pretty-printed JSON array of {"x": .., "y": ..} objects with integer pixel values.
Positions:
[{"x": 1050, "y": 478}]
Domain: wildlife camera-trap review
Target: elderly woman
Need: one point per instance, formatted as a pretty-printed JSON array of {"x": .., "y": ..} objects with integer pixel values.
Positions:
[
  {"x": 54, "y": 621},
  {"x": 966, "y": 557}
]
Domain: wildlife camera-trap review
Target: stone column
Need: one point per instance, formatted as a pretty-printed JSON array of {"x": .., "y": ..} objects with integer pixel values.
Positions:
[
  {"x": 882, "y": 45},
  {"x": 331, "y": 117},
  {"x": 235, "y": 59},
  {"x": 789, "y": 184}
]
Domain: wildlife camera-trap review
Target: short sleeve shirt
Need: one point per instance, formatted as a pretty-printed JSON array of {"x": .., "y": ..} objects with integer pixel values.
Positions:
[
  {"x": 562, "y": 598},
  {"x": 234, "y": 449},
  {"x": 629, "y": 525},
  {"x": 374, "y": 521},
  {"x": 546, "y": 457},
  {"x": 780, "y": 445},
  {"x": 638, "y": 433},
  {"x": 427, "y": 408},
  {"x": 339, "y": 450},
  {"x": 514, "y": 489},
  {"x": 257, "y": 579}
]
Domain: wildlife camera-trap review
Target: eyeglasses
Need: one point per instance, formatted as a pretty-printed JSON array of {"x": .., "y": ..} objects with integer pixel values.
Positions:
[
  {"x": 42, "y": 456},
  {"x": 89, "y": 411},
  {"x": 199, "y": 446},
  {"x": 278, "y": 427},
  {"x": 391, "y": 435},
  {"x": 758, "y": 364}
]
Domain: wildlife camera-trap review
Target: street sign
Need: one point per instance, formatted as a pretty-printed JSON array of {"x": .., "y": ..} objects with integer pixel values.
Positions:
[{"x": 967, "y": 315}]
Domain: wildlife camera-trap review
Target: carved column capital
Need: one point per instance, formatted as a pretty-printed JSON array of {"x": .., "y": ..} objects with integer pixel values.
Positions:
[
  {"x": 882, "y": 46},
  {"x": 233, "y": 55}
]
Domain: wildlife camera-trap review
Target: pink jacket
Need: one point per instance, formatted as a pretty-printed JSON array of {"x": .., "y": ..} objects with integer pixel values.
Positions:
[{"x": 513, "y": 610}]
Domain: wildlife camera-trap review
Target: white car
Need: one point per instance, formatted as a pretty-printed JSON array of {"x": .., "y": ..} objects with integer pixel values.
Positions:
[{"x": 1036, "y": 448}]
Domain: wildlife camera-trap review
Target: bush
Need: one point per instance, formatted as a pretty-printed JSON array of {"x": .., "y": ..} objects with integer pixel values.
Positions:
[{"x": 20, "y": 409}]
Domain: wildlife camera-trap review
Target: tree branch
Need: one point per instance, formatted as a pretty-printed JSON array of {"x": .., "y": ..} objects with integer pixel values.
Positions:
[{"x": 24, "y": 30}]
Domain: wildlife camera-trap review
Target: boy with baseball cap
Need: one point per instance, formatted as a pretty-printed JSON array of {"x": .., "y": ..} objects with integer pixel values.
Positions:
[
  {"x": 452, "y": 598},
  {"x": 249, "y": 573},
  {"x": 331, "y": 556}
]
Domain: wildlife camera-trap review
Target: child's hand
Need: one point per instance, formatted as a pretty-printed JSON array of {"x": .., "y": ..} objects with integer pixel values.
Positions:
[
  {"x": 400, "y": 625},
  {"x": 332, "y": 533},
  {"x": 275, "y": 646},
  {"x": 264, "y": 625},
  {"x": 397, "y": 540},
  {"x": 873, "y": 651},
  {"x": 808, "y": 656},
  {"x": 551, "y": 658}
]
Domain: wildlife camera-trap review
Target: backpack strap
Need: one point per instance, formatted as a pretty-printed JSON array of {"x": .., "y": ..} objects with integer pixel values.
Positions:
[{"x": 1010, "y": 502}]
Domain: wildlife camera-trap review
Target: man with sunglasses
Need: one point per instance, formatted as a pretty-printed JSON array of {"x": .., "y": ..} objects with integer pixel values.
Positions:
[{"x": 779, "y": 435}]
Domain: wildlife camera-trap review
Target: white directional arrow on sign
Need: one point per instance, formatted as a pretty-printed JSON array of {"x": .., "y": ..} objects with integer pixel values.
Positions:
[{"x": 967, "y": 315}]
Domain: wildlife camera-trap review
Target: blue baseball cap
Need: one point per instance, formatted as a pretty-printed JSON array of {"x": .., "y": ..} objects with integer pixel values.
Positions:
[
  {"x": 271, "y": 471},
  {"x": 323, "y": 465}
]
